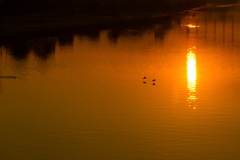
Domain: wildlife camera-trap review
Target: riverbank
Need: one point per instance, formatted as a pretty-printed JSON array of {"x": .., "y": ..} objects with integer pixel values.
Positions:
[
  {"x": 61, "y": 22},
  {"x": 39, "y": 24}
]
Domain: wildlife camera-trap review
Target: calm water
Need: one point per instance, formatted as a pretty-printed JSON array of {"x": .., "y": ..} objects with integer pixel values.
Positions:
[{"x": 84, "y": 95}]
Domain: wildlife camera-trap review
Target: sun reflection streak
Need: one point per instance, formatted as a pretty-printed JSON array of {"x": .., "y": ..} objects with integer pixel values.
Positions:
[
  {"x": 191, "y": 26},
  {"x": 192, "y": 77}
]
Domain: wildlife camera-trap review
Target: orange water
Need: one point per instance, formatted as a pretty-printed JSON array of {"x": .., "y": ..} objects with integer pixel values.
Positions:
[{"x": 84, "y": 96}]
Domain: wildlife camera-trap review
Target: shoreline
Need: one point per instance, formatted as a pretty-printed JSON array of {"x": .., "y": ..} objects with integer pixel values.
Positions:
[
  {"x": 28, "y": 25},
  {"x": 38, "y": 24}
]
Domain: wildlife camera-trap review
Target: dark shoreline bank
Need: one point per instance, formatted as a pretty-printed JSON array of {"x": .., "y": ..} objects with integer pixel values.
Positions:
[
  {"x": 51, "y": 23},
  {"x": 84, "y": 23}
]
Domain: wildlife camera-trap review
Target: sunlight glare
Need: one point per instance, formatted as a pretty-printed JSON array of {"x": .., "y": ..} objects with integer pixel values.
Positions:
[
  {"x": 191, "y": 26},
  {"x": 192, "y": 77}
]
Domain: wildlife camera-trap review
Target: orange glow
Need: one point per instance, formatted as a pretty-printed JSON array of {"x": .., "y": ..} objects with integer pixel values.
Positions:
[
  {"x": 191, "y": 26},
  {"x": 192, "y": 77}
]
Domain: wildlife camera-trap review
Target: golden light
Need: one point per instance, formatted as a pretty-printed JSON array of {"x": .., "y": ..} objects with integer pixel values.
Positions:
[
  {"x": 192, "y": 77},
  {"x": 191, "y": 67},
  {"x": 191, "y": 26}
]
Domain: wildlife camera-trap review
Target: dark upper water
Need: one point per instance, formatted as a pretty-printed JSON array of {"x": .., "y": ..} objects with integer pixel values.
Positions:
[{"x": 165, "y": 91}]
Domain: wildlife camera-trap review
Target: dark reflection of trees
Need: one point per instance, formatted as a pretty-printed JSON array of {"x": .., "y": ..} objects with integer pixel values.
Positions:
[
  {"x": 113, "y": 35},
  {"x": 65, "y": 39},
  {"x": 220, "y": 25},
  {"x": 160, "y": 30},
  {"x": 44, "y": 47},
  {"x": 1, "y": 59},
  {"x": 18, "y": 48},
  {"x": 91, "y": 34},
  {"x": 138, "y": 28}
]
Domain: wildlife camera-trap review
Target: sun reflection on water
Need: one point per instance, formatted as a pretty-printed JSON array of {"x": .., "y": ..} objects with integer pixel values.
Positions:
[
  {"x": 192, "y": 77},
  {"x": 191, "y": 26}
]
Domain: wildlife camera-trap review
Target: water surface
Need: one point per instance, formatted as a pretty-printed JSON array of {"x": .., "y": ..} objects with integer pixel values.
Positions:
[{"x": 163, "y": 91}]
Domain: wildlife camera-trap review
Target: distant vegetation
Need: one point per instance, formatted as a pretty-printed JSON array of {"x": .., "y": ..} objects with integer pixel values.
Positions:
[
  {"x": 222, "y": 1},
  {"x": 14, "y": 7}
]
